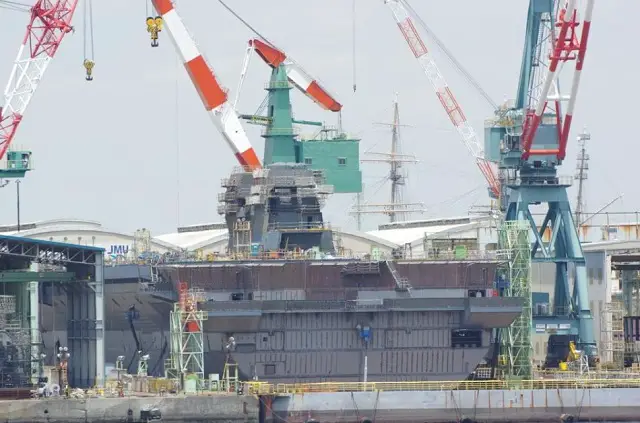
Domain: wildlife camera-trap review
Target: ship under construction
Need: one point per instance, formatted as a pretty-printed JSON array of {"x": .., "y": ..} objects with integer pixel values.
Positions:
[
  {"x": 284, "y": 306},
  {"x": 281, "y": 306}
]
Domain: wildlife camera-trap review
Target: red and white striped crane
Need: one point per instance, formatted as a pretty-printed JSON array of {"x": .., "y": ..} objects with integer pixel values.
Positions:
[
  {"x": 213, "y": 96},
  {"x": 296, "y": 75},
  {"x": 50, "y": 21},
  {"x": 444, "y": 93},
  {"x": 566, "y": 46}
]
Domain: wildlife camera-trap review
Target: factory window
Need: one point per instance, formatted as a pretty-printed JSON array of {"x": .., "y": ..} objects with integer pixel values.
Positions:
[
  {"x": 466, "y": 338},
  {"x": 269, "y": 369},
  {"x": 342, "y": 161},
  {"x": 308, "y": 160}
]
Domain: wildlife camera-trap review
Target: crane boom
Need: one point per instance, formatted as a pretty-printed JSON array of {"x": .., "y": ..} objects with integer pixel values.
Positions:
[
  {"x": 213, "y": 96},
  {"x": 296, "y": 75},
  {"x": 50, "y": 22},
  {"x": 444, "y": 93}
]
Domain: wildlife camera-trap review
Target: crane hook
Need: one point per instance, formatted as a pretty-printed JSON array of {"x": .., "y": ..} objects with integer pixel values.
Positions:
[
  {"x": 154, "y": 26},
  {"x": 88, "y": 65}
]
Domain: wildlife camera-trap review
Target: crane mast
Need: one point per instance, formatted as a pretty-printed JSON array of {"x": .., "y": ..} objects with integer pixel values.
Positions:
[
  {"x": 213, "y": 96},
  {"x": 444, "y": 93},
  {"x": 50, "y": 21}
]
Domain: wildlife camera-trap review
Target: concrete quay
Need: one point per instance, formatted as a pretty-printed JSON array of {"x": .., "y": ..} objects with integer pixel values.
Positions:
[
  {"x": 513, "y": 405},
  {"x": 221, "y": 408}
]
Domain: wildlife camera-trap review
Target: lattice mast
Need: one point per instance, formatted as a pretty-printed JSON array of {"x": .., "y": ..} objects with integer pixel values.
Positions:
[
  {"x": 50, "y": 22},
  {"x": 582, "y": 173},
  {"x": 187, "y": 341},
  {"x": 515, "y": 250},
  {"x": 444, "y": 93},
  {"x": 612, "y": 341},
  {"x": 397, "y": 209},
  {"x": 213, "y": 96}
]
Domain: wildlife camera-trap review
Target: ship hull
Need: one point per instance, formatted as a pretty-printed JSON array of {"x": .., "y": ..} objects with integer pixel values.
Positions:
[{"x": 291, "y": 329}]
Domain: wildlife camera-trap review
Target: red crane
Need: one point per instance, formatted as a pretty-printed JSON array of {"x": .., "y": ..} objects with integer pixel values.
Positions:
[{"x": 50, "y": 22}]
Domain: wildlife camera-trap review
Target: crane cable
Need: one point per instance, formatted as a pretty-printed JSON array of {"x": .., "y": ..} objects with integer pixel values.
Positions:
[
  {"x": 252, "y": 29},
  {"x": 89, "y": 61}
]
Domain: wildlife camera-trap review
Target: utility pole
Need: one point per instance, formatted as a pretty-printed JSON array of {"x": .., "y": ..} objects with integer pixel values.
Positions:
[
  {"x": 18, "y": 201},
  {"x": 396, "y": 209},
  {"x": 358, "y": 208},
  {"x": 582, "y": 167}
]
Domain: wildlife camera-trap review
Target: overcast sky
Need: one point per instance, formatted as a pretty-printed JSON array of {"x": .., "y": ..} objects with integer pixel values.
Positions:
[{"x": 134, "y": 148}]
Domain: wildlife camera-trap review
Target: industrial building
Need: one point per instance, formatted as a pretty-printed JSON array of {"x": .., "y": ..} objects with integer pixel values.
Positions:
[{"x": 413, "y": 237}]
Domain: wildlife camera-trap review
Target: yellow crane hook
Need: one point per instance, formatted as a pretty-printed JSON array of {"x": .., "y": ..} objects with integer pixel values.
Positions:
[
  {"x": 154, "y": 26},
  {"x": 88, "y": 65}
]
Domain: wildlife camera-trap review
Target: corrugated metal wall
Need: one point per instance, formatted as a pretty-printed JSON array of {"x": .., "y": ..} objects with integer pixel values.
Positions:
[{"x": 327, "y": 346}]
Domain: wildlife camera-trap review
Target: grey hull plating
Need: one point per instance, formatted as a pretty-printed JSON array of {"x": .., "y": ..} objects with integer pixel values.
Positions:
[{"x": 300, "y": 321}]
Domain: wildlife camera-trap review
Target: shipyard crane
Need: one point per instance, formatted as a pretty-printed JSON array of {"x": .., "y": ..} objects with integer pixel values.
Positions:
[
  {"x": 336, "y": 156},
  {"x": 280, "y": 139},
  {"x": 530, "y": 141},
  {"x": 50, "y": 21},
  {"x": 403, "y": 18},
  {"x": 213, "y": 96}
]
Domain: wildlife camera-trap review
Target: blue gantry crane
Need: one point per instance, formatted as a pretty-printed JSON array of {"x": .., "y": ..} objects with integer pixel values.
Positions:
[
  {"x": 528, "y": 140},
  {"x": 525, "y": 143}
]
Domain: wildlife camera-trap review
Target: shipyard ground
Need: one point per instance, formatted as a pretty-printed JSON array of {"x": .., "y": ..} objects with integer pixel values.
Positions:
[{"x": 205, "y": 408}]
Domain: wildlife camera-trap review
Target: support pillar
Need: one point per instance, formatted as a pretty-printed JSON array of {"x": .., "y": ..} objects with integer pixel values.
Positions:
[
  {"x": 34, "y": 326},
  {"x": 99, "y": 304}
]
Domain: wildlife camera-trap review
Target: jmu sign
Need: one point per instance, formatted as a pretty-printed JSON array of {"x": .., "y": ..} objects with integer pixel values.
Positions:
[{"x": 118, "y": 250}]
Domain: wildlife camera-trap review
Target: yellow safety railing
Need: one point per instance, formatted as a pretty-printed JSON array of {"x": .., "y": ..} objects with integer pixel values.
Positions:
[{"x": 265, "y": 388}]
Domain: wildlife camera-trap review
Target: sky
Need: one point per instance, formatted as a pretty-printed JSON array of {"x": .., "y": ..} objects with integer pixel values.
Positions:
[{"x": 134, "y": 148}]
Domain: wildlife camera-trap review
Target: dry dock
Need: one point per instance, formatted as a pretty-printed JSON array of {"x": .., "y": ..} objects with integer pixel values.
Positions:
[{"x": 386, "y": 402}]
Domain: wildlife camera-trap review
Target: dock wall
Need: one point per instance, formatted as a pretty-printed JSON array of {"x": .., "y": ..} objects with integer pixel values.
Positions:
[
  {"x": 215, "y": 408},
  {"x": 544, "y": 405}
]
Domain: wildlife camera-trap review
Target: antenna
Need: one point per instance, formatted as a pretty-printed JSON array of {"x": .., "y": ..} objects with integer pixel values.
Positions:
[{"x": 396, "y": 209}]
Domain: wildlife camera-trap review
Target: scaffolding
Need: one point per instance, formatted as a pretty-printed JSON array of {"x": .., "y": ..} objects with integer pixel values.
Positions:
[
  {"x": 15, "y": 346},
  {"x": 141, "y": 242},
  {"x": 515, "y": 272},
  {"x": 612, "y": 342},
  {"x": 187, "y": 343},
  {"x": 242, "y": 237}
]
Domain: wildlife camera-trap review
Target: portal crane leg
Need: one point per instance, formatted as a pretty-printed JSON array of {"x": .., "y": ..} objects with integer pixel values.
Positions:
[{"x": 570, "y": 314}]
